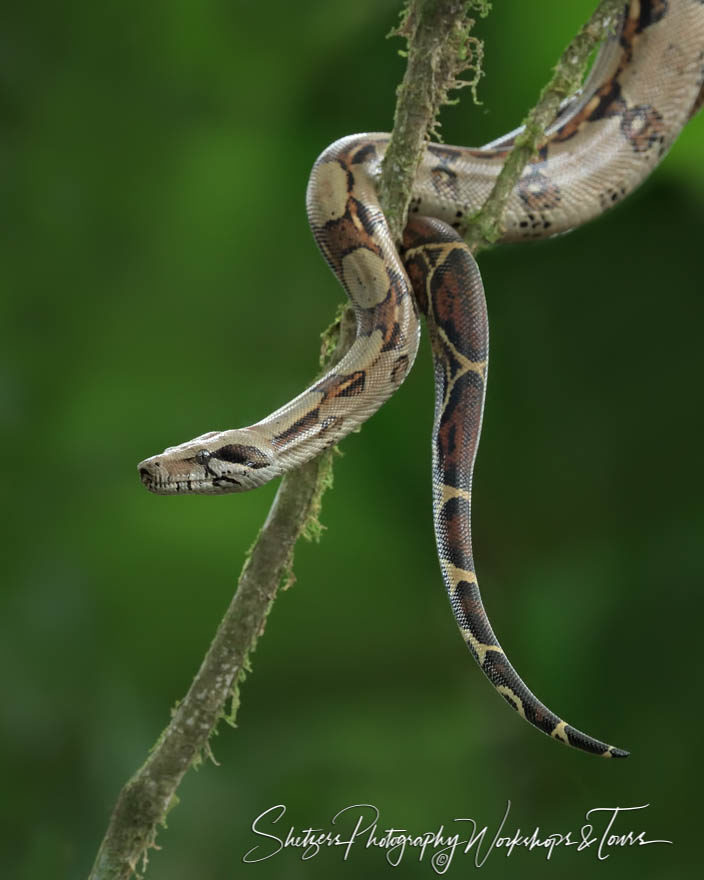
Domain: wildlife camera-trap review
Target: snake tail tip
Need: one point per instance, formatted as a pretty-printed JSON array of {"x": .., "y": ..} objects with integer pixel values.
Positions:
[{"x": 619, "y": 753}]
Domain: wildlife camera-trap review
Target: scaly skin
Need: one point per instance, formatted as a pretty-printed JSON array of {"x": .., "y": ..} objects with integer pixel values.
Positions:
[{"x": 644, "y": 86}]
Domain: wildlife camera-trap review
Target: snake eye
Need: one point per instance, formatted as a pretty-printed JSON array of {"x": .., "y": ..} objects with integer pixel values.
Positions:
[{"x": 202, "y": 456}]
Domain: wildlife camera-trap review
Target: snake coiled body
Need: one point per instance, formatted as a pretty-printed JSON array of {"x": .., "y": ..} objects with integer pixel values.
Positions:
[{"x": 643, "y": 87}]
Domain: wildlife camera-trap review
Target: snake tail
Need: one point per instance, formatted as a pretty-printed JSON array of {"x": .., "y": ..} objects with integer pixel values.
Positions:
[{"x": 449, "y": 290}]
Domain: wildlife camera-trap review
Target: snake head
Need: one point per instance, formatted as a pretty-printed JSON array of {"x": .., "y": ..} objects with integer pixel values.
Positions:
[{"x": 215, "y": 463}]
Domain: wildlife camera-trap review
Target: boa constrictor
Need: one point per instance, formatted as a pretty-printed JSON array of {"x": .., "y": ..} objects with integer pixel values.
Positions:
[{"x": 643, "y": 87}]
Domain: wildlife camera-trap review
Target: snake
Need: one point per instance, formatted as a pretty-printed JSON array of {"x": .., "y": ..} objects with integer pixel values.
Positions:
[{"x": 644, "y": 85}]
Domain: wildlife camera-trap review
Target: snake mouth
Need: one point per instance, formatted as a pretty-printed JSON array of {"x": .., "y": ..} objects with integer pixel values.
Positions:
[
  {"x": 171, "y": 486},
  {"x": 157, "y": 480},
  {"x": 168, "y": 486}
]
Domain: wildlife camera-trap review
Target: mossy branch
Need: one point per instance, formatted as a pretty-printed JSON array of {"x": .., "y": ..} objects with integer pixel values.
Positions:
[
  {"x": 486, "y": 227},
  {"x": 436, "y": 29},
  {"x": 440, "y": 49}
]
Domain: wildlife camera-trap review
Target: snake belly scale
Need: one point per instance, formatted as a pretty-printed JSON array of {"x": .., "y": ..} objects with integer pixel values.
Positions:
[{"x": 643, "y": 87}]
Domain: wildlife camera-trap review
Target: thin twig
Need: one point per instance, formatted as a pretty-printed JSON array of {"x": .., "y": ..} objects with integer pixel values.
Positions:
[{"x": 486, "y": 227}]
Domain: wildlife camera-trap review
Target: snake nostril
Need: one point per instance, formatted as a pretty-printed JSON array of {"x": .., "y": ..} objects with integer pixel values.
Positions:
[{"x": 148, "y": 468}]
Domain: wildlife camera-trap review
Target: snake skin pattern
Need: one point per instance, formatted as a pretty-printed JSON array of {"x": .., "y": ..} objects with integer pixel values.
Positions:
[{"x": 644, "y": 85}]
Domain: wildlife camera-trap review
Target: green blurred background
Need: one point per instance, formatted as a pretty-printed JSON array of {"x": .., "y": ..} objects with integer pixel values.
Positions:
[{"x": 160, "y": 280}]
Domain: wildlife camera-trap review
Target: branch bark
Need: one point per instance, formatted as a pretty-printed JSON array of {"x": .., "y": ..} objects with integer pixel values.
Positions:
[{"x": 436, "y": 31}]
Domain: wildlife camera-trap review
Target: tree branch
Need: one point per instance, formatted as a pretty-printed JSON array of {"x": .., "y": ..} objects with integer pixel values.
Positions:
[
  {"x": 440, "y": 48},
  {"x": 437, "y": 50},
  {"x": 486, "y": 227}
]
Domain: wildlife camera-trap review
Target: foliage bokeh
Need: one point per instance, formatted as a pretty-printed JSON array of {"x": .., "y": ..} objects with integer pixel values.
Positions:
[{"x": 160, "y": 281}]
